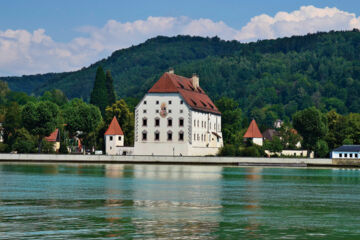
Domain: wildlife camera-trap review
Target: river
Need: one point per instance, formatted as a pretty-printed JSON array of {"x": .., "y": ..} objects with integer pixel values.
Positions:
[{"x": 56, "y": 201}]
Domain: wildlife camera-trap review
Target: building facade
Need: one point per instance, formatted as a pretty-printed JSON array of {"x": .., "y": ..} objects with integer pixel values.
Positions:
[
  {"x": 346, "y": 152},
  {"x": 177, "y": 118}
]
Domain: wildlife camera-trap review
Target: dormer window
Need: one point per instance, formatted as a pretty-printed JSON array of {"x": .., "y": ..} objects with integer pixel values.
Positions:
[{"x": 192, "y": 100}]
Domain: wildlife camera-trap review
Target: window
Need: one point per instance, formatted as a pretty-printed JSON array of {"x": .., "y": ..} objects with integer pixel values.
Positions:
[
  {"x": 157, "y": 102},
  {"x": 157, "y": 122},
  {"x": 169, "y": 122},
  {"x": 181, "y": 122},
  {"x": 194, "y": 137},
  {"x": 169, "y": 136},
  {"x": 198, "y": 123},
  {"x": 157, "y": 136},
  {"x": 198, "y": 137},
  {"x": 181, "y": 102},
  {"x": 340, "y": 154},
  {"x": 350, "y": 155},
  {"x": 204, "y": 124},
  {"x": 169, "y": 110},
  {"x": 157, "y": 111},
  {"x": 144, "y": 123},
  {"x": 181, "y": 136},
  {"x": 144, "y": 111},
  {"x": 356, "y": 155},
  {"x": 169, "y": 102},
  {"x": 111, "y": 138},
  {"x": 202, "y": 137},
  {"x": 119, "y": 138},
  {"x": 181, "y": 111},
  {"x": 345, "y": 155},
  {"x": 144, "y": 135},
  {"x": 194, "y": 123},
  {"x": 144, "y": 102}
]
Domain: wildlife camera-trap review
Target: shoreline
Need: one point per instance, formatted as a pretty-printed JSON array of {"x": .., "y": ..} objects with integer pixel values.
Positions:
[{"x": 175, "y": 160}]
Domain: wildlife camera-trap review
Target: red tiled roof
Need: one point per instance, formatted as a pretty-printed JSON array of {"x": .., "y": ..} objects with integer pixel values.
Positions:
[
  {"x": 253, "y": 131},
  {"x": 114, "y": 128},
  {"x": 53, "y": 136},
  {"x": 195, "y": 98}
]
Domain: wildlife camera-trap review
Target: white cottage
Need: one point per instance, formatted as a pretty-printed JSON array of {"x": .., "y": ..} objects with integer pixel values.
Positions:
[
  {"x": 254, "y": 134},
  {"x": 346, "y": 152},
  {"x": 176, "y": 117},
  {"x": 114, "y": 138}
]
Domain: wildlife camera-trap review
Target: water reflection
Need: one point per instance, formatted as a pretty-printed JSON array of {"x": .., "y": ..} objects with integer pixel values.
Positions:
[{"x": 172, "y": 201}]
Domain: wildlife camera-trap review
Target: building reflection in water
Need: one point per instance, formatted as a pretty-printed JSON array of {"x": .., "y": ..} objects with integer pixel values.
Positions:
[
  {"x": 253, "y": 205},
  {"x": 164, "y": 201}
]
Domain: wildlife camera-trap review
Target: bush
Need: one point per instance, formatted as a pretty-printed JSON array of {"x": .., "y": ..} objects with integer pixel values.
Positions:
[
  {"x": 228, "y": 150},
  {"x": 252, "y": 151}
]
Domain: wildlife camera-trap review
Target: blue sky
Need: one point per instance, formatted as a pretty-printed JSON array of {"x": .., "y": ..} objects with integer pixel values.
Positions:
[{"x": 50, "y": 36}]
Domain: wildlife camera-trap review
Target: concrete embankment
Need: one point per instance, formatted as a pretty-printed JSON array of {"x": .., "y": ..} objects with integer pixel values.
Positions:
[{"x": 240, "y": 161}]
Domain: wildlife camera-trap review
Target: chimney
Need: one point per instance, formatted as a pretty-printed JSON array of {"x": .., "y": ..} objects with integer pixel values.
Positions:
[
  {"x": 195, "y": 81},
  {"x": 171, "y": 70}
]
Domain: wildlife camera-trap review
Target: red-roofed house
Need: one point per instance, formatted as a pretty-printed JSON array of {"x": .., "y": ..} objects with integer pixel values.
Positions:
[
  {"x": 176, "y": 117},
  {"x": 254, "y": 134},
  {"x": 54, "y": 138},
  {"x": 114, "y": 138}
]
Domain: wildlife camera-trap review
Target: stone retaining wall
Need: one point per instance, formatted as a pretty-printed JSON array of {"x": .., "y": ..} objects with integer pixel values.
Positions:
[{"x": 164, "y": 159}]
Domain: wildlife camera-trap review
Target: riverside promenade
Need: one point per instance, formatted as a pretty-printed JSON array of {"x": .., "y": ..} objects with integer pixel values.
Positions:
[{"x": 106, "y": 159}]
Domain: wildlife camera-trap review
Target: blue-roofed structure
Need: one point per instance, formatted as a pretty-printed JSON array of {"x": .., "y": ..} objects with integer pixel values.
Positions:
[{"x": 346, "y": 152}]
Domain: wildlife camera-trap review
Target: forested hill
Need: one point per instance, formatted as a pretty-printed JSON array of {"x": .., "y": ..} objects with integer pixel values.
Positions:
[
  {"x": 276, "y": 77},
  {"x": 129, "y": 67}
]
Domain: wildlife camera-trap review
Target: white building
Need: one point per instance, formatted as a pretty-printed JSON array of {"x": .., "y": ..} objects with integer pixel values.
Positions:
[
  {"x": 346, "y": 152},
  {"x": 114, "y": 138},
  {"x": 176, "y": 117}
]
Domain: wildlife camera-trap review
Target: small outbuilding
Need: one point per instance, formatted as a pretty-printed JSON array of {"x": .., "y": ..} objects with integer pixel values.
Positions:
[
  {"x": 254, "y": 134},
  {"x": 54, "y": 138},
  {"x": 114, "y": 138},
  {"x": 346, "y": 152}
]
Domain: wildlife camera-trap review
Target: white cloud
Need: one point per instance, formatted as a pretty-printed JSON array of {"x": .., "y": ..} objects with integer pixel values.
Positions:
[
  {"x": 23, "y": 52},
  {"x": 308, "y": 19}
]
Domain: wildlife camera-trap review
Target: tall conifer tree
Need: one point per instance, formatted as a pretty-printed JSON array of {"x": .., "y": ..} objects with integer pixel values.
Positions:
[
  {"x": 99, "y": 96},
  {"x": 110, "y": 88}
]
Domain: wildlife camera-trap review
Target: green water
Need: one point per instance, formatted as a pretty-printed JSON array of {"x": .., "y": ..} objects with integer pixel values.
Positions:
[{"x": 177, "y": 202}]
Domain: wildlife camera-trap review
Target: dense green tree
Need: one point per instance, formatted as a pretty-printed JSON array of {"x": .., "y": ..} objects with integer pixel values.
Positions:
[
  {"x": 110, "y": 89},
  {"x": 275, "y": 145},
  {"x": 40, "y": 119},
  {"x": 312, "y": 125},
  {"x": 56, "y": 96},
  {"x": 81, "y": 119},
  {"x": 12, "y": 120},
  {"x": 125, "y": 118},
  {"x": 4, "y": 90},
  {"x": 321, "y": 149},
  {"x": 24, "y": 142},
  {"x": 231, "y": 120},
  {"x": 99, "y": 94}
]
